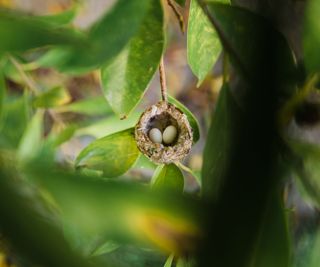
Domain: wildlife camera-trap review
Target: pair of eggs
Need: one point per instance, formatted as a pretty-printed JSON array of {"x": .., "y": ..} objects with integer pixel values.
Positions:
[{"x": 168, "y": 136}]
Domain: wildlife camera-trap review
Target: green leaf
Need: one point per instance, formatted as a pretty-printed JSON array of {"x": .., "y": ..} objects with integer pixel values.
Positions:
[
  {"x": 20, "y": 32},
  {"x": 168, "y": 177},
  {"x": 62, "y": 18},
  {"x": 126, "y": 77},
  {"x": 107, "y": 247},
  {"x": 16, "y": 114},
  {"x": 121, "y": 211},
  {"x": 107, "y": 37},
  {"x": 169, "y": 261},
  {"x": 181, "y": 2},
  {"x": 2, "y": 91},
  {"x": 31, "y": 140},
  {"x": 219, "y": 142},
  {"x": 191, "y": 118},
  {"x": 249, "y": 39},
  {"x": 311, "y": 36},
  {"x": 272, "y": 247},
  {"x": 204, "y": 45},
  {"x": 56, "y": 96},
  {"x": 108, "y": 126},
  {"x": 113, "y": 154},
  {"x": 88, "y": 106}
]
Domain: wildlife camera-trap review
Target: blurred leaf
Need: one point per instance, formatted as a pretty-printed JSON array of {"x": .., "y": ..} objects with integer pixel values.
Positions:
[
  {"x": 306, "y": 166},
  {"x": 57, "y": 138},
  {"x": 168, "y": 177},
  {"x": 112, "y": 31},
  {"x": 169, "y": 261},
  {"x": 249, "y": 42},
  {"x": 311, "y": 36},
  {"x": 31, "y": 140},
  {"x": 144, "y": 163},
  {"x": 181, "y": 2},
  {"x": 203, "y": 42},
  {"x": 218, "y": 145},
  {"x": 2, "y": 91},
  {"x": 113, "y": 154},
  {"x": 88, "y": 106},
  {"x": 56, "y": 96},
  {"x": 126, "y": 77},
  {"x": 109, "y": 126},
  {"x": 122, "y": 211},
  {"x": 107, "y": 247},
  {"x": 16, "y": 113},
  {"x": 62, "y": 18},
  {"x": 28, "y": 231},
  {"x": 191, "y": 118},
  {"x": 272, "y": 247},
  {"x": 19, "y": 32}
]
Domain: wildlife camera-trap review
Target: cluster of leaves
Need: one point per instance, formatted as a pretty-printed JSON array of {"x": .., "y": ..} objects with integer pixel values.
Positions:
[{"x": 240, "y": 218}]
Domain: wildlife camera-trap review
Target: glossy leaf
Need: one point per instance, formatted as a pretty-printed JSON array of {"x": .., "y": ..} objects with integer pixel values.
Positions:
[
  {"x": 248, "y": 39},
  {"x": 31, "y": 140},
  {"x": 204, "y": 45},
  {"x": 107, "y": 37},
  {"x": 88, "y": 106},
  {"x": 113, "y": 154},
  {"x": 56, "y": 96},
  {"x": 311, "y": 36},
  {"x": 168, "y": 177},
  {"x": 191, "y": 118},
  {"x": 126, "y": 77},
  {"x": 20, "y": 32}
]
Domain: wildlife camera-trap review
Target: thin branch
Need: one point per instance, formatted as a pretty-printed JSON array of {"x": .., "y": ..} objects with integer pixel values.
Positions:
[
  {"x": 29, "y": 82},
  {"x": 177, "y": 14},
  {"x": 163, "y": 83}
]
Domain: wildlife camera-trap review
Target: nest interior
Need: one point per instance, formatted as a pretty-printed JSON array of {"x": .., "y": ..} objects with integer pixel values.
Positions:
[{"x": 160, "y": 116}]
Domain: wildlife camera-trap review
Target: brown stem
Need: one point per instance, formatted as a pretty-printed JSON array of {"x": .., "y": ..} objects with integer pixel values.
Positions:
[
  {"x": 177, "y": 14},
  {"x": 163, "y": 83}
]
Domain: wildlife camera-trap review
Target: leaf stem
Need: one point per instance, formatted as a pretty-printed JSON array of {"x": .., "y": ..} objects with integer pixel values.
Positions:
[
  {"x": 163, "y": 83},
  {"x": 177, "y": 14}
]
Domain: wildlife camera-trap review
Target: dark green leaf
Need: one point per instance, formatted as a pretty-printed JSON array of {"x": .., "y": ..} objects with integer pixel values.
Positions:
[
  {"x": 20, "y": 32},
  {"x": 126, "y": 77},
  {"x": 56, "y": 96},
  {"x": 107, "y": 37},
  {"x": 219, "y": 144},
  {"x": 249, "y": 39},
  {"x": 311, "y": 36},
  {"x": 113, "y": 154},
  {"x": 168, "y": 177},
  {"x": 203, "y": 42},
  {"x": 191, "y": 118},
  {"x": 272, "y": 247},
  {"x": 181, "y": 2}
]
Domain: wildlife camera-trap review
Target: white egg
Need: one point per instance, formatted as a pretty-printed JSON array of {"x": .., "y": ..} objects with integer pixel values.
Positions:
[
  {"x": 169, "y": 134},
  {"x": 155, "y": 135}
]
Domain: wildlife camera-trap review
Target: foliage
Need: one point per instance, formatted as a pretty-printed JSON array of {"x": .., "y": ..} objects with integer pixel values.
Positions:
[{"x": 91, "y": 210}]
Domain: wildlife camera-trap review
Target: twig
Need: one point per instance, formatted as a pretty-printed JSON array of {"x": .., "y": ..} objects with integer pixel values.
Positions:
[
  {"x": 163, "y": 83},
  {"x": 177, "y": 14},
  {"x": 30, "y": 83}
]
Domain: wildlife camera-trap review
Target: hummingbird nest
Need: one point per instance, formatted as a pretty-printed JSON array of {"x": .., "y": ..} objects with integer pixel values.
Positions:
[{"x": 162, "y": 115}]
